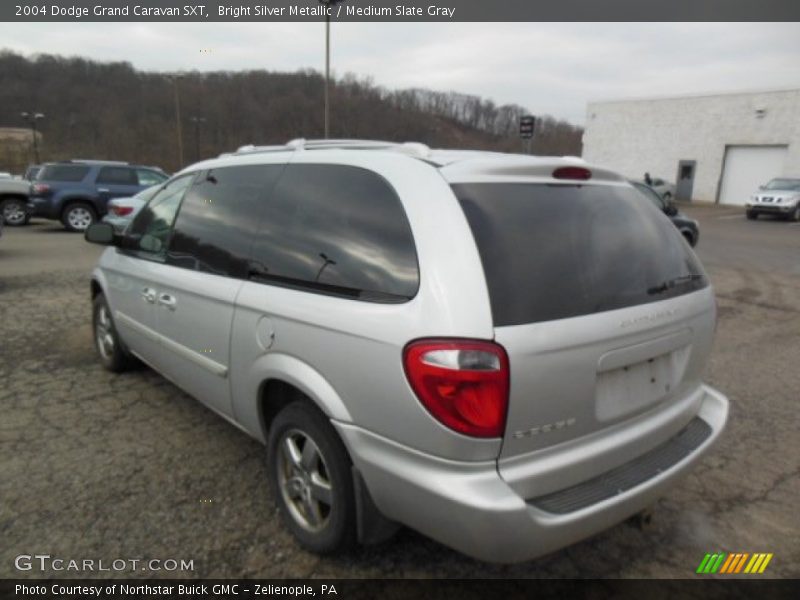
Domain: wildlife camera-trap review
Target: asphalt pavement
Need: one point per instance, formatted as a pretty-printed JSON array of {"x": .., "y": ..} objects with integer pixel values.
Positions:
[{"x": 101, "y": 466}]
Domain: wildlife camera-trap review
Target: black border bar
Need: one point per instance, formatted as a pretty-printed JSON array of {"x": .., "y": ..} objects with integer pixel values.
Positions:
[
  {"x": 401, "y": 589},
  {"x": 398, "y": 10}
]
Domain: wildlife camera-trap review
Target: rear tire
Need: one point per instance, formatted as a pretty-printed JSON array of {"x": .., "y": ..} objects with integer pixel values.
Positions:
[
  {"x": 14, "y": 212},
  {"x": 795, "y": 214},
  {"x": 310, "y": 473},
  {"x": 752, "y": 215},
  {"x": 112, "y": 353},
  {"x": 78, "y": 216}
]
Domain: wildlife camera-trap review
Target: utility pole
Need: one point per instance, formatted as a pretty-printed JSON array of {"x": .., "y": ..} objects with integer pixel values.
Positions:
[
  {"x": 31, "y": 118},
  {"x": 197, "y": 121},
  {"x": 174, "y": 80},
  {"x": 328, "y": 4}
]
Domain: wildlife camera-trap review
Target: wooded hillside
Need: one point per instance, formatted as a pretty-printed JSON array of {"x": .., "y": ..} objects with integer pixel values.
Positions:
[{"x": 113, "y": 111}]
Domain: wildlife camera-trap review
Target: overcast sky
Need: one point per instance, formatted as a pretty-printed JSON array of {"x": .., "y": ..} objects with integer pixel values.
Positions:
[{"x": 553, "y": 68}]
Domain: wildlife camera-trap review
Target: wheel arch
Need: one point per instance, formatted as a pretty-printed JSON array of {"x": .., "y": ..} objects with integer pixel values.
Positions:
[
  {"x": 66, "y": 201},
  {"x": 13, "y": 196},
  {"x": 282, "y": 379}
]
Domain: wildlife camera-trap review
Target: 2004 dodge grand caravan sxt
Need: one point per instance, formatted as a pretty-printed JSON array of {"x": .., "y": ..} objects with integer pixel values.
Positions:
[{"x": 502, "y": 352}]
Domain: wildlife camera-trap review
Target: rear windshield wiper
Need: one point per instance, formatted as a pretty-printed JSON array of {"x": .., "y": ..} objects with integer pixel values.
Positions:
[{"x": 671, "y": 283}]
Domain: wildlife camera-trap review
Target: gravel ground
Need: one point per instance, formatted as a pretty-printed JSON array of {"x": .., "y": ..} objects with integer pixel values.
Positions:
[{"x": 101, "y": 466}]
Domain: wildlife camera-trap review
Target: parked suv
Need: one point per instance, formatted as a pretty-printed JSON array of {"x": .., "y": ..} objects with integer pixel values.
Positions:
[
  {"x": 502, "y": 352},
  {"x": 779, "y": 197},
  {"x": 76, "y": 192}
]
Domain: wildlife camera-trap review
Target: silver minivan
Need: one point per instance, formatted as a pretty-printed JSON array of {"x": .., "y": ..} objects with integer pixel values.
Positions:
[{"x": 502, "y": 352}]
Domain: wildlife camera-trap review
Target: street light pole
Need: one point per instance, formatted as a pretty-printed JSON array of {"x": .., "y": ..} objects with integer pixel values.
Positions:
[{"x": 31, "y": 118}]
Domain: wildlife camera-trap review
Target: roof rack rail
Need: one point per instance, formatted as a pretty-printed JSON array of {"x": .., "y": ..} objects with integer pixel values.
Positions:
[
  {"x": 97, "y": 162},
  {"x": 251, "y": 149},
  {"x": 415, "y": 149}
]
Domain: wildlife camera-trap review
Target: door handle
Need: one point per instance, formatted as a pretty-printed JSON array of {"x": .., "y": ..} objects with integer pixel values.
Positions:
[
  {"x": 167, "y": 300},
  {"x": 149, "y": 295}
]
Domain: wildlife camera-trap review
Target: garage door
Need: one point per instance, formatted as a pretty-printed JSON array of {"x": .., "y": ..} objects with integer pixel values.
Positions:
[{"x": 746, "y": 168}]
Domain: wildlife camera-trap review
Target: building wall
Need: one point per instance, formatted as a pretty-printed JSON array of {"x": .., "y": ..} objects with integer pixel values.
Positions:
[
  {"x": 638, "y": 136},
  {"x": 16, "y": 145}
]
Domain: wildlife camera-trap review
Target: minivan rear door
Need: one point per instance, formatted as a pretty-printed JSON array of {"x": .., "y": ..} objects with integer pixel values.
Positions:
[{"x": 596, "y": 298}]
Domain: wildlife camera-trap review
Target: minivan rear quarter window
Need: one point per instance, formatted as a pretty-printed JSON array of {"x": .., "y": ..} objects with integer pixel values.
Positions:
[
  {"x": 553, "y": 251},
  {"x": 339, "y": 230},
  {"x": 63, "y": 173}
]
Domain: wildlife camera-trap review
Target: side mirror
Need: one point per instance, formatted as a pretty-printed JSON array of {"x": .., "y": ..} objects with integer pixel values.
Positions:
[{"x": 100, "y": 233}]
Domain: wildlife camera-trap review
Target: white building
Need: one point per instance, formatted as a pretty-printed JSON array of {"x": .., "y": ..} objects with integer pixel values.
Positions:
[{"x": 717, "y": 148}]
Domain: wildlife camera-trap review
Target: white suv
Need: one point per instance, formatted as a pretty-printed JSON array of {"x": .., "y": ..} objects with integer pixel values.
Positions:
[{"x": 502, "y": 352}]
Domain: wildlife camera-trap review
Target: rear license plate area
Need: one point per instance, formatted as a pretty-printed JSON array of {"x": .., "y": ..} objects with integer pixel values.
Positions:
[{"x": 637, "y": 386}]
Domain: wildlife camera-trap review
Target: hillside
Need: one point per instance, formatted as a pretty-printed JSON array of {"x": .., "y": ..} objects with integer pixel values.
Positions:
[{"x": 113, "y": 111}]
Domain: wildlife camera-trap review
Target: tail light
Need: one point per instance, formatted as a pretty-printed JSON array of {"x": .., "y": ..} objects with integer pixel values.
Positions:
[
  {"x": 462, "y": 383},
  {"x": 120, "y": 211},
  {"x": 40, "y": 188},
  {"x": 579, "y": 173}
]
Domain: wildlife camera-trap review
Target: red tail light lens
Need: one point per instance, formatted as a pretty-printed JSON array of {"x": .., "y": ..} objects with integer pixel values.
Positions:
[
  {"x": 40, "y": 188},
  {"x": 580, "y": 173},
  {"x": 121, "y": 211},
  {"x": 462, "y": 383}
]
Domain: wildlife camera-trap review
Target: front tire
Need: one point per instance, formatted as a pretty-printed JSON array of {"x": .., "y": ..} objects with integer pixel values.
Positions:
[
  {"x": 795, "y": 214},
  {"x": 14, "y": 212},
  {"x": 78, "y": 216},
  {"x": 752, "y": 215},
  {"x": 113, "y": 355},
  {"x": 310, "y": 473}
]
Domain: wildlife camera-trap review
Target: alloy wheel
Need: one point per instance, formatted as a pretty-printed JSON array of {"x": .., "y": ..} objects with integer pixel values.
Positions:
[
  {"x": 304, "y": 481},
  {"x": 14, "y": 213},
  {"x": 104, "y": 335},
  {"x": 80, "y": 218}
]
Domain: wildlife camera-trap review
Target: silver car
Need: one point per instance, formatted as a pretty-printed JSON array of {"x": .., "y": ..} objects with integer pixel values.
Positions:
[
  {"x": 121, "y": 211},
  {"x": 502, "y": 352},
  {"x": 779, "y": 197}
]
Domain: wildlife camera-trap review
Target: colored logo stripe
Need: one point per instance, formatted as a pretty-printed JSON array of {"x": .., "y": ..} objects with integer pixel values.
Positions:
[{"x": 723, "y": 563}]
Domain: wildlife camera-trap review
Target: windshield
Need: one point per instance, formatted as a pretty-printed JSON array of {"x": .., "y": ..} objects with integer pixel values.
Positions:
[
  {"x": 784, "y": 184},
  {"x": 558, "y": 251}
]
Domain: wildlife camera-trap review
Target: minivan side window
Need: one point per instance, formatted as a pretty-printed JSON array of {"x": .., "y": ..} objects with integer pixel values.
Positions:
[
  {"x": 218, "y": 218},
  {"x": 149, "y": 233},
  {"x": 336, "y": 229}
]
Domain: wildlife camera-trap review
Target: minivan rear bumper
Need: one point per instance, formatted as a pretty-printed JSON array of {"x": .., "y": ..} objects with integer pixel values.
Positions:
[{"x": 470, "y": 507}]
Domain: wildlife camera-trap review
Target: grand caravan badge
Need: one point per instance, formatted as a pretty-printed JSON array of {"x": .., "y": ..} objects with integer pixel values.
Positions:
[{"x": 663, "y": 314}]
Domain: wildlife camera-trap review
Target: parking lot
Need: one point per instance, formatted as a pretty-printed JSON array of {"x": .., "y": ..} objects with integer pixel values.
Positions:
[{"x": 101, "y": 466}]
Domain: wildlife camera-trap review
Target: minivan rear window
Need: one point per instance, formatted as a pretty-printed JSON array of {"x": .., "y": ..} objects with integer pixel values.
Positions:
[
  {"x": 553, "y": 251},
  {"x": 63, "y": 173}
]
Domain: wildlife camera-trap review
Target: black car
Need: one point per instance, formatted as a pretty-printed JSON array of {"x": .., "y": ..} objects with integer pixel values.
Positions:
[
  {"x": 688, "y": 227},
  {"x": 77, "y": 192}
]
